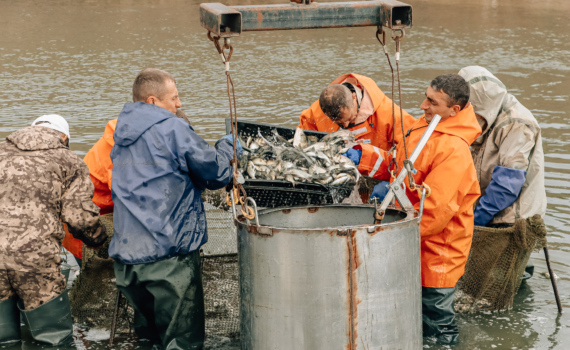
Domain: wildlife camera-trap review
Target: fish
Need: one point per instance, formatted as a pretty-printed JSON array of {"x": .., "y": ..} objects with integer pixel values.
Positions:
[
  {"x": 259, "y": 161},
  {"x": 301, "y": 159},
  {"x": 300, "y": 140},
  {"x": 298, "y": 173},
  {"x": 253, "y": 146},
  {"x": 341, "y": 134},
  {"x": 290, "y": 179},
  {"x": 248, "y": 142},
  {"x": 319, "y": 146},
  {"x": 327, "y": 180},
  {"x": 315, "y": 169},
  {"x": 341, "y": 180},
  {"x": 251, "y": 170},
  {"x": 326, "y": 160},
  {"x": 340, "y": 159}
]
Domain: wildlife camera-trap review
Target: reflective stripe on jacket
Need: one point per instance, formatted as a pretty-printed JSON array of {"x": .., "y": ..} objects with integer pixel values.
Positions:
[
  {"x": 370, "y": 122},
  {"x": 160, "y": 167},
  {"x": 511, "y": 139},
  {"x": 446, "y": 166}
]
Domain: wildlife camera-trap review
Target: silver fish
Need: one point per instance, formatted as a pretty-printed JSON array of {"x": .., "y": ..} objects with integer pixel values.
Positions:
[
  {"x": 248, "y": 142},
  {"x": 315, "y": 169},
  {"x": 300, "y": 140},
  {"x": 251, "y": 170},
  {"x": 298, "y": 173},
  {"x": 290, "y": 179},
  {"x": 254, "y": 146},
  {"x": 341, "y": 180},
  {"x": 259, "y": 161},
  {"x": 326, "y": 160},
  {"x": 319, "y": 146},
  {"x": 326, "y": 180},
  {"x": 339, "y": 158}
]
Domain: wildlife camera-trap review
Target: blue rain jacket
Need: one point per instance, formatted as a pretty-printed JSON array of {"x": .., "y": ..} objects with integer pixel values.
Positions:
[
  {"x": 502, "y": 191},
  {"x": 160, "y": 167}
]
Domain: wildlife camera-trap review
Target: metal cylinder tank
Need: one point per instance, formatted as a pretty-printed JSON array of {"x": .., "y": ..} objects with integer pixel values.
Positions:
[{"x": 327, "y": 277}]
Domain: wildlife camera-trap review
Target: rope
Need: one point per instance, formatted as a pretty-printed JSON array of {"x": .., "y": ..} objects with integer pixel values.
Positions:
[
  {"x": 233, "y": 119},
  {"x": 393, "y": 161},
  {"x": 398, "y": 39}
]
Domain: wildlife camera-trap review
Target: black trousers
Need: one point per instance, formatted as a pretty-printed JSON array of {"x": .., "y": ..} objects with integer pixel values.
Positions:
[{"x": 168, "y": 300}]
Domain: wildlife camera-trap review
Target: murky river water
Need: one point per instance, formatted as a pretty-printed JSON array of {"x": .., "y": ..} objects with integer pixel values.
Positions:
[{"x": 79, "y": 58}]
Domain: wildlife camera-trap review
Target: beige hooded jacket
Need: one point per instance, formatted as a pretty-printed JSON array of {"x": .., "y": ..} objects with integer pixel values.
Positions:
[{"x": 511, "y": 139}]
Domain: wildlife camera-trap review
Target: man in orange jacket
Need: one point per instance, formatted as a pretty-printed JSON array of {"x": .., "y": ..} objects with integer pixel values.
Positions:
[
  {"x": 98, "y": 161},
  {"x": 365, "y": 112},
  {"x": 446, "y": 166}
]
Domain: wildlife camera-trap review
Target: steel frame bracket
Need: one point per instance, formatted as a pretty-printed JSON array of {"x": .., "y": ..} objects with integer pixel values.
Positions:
[{"x": 231, "y": 21}]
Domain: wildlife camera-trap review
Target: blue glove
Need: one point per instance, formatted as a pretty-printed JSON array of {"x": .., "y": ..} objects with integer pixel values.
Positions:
[
  {"x": 238, "y": 144},
  {"x": 503, "y": 190},
  {"x": 380, "y": 191},
  {"x": 354, "y": 155}
]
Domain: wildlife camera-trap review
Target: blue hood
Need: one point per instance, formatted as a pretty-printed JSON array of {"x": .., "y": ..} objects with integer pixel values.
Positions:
[
  {"x": 137, "y": 118},
  {"x": 160, "y": 167}
]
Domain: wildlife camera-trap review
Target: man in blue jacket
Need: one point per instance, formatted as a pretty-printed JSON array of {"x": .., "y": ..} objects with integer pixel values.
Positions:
[{"x": 160, "y": 167}]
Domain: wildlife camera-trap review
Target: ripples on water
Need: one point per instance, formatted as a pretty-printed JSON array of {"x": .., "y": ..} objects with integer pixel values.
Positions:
[{"x": 79, "y": 58}]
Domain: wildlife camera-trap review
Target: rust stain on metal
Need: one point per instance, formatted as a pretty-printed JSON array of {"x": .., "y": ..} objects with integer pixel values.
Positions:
[
  {"x": 286, "y": 211},
  {"x": 313, "y": 210},
  {"x": 379, "y": 229},
  {"x": 259, "y": 17},
  {"x": 352, "y": 291}
]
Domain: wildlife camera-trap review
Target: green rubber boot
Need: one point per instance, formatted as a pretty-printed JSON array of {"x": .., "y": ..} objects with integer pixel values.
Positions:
[
  {"x": 9, "y": 321},
  {"x": 50, "y": 323}
]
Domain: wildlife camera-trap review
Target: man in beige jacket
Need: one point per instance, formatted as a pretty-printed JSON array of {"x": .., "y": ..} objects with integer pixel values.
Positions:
[{"x": 508, "y": 155}]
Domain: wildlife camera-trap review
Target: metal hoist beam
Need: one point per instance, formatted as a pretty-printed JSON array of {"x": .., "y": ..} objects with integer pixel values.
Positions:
[{"x": 231, "y": 21}]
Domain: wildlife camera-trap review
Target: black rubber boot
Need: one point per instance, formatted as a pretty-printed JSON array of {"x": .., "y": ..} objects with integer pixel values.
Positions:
[
  {"x": 50, "y": 323},
  {"x": 438, "y": 315},
  {"x": 9, "y": 321}
]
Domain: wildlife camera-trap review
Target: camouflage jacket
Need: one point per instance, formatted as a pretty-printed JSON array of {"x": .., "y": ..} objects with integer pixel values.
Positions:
[{"x": 42, "y": 184}]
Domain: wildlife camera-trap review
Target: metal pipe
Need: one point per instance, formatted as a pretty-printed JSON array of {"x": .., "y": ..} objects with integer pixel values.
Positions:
[
  {"x": 228, "y": 21},
  {"x": 425, "y": 137}
]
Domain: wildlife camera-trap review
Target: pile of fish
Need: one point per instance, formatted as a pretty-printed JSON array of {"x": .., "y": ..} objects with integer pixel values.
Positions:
[{"x": 300, "y": 159}]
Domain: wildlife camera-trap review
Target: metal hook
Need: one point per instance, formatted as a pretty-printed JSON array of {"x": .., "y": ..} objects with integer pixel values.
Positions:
[
  {"x": 396, "y": 37},
  {"x": 252, "y": 212}
]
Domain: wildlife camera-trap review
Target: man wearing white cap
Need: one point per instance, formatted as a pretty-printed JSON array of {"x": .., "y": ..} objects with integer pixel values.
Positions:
[{"x": 42, "y": 184}]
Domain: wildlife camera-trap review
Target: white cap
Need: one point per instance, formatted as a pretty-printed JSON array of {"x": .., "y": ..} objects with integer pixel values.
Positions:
[{"x": 55, "y": 122}]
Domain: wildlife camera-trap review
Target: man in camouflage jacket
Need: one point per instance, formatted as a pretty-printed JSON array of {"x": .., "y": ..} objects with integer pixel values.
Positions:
[{"x": 42, "y": 184}]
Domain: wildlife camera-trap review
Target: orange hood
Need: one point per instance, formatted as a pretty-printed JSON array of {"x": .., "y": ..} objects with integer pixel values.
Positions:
[{"x": 109, "y": 131}]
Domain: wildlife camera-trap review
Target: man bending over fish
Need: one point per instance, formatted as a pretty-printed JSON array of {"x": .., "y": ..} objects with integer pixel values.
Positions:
[
  {"x": 364, "y": 111},
  {"x": 446, "y": 166}
]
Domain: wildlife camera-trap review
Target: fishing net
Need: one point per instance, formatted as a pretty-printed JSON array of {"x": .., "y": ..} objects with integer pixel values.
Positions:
[
  {"x": 496, "y": 265},
  {"x": 94, "y": 292}
]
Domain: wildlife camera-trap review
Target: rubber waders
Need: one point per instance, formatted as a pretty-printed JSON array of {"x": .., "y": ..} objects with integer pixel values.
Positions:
[
  {"x": 51, "y": 322},
  {"x": 9, "y": 321}
]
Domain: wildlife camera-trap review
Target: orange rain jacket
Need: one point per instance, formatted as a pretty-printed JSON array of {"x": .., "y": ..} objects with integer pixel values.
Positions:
[
  {"x": 98, "y": 160},
  {"x": 445, "y": 165},
  {"x": 375, "y": 112}
]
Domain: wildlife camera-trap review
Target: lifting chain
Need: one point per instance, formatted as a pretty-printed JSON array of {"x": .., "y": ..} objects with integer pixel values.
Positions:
[{"x": 237, "y": 186}]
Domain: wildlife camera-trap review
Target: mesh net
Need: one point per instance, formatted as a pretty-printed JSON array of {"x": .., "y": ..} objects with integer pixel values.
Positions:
[
  {"x": 496, "y": 265},
  {"x": 94, "y": 292}
]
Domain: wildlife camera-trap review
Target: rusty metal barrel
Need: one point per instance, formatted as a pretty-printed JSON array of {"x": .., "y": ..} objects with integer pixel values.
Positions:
[{"x": 328, "y": 277}]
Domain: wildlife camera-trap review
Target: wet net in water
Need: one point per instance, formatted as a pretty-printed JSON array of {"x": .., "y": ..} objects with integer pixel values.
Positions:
[
  {"x": 496, "y": 265},
  {"x": 94, "y": 292}
]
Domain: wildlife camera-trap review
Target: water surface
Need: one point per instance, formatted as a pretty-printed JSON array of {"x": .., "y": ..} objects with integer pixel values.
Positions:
[{"x": 79, "y": 58}]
